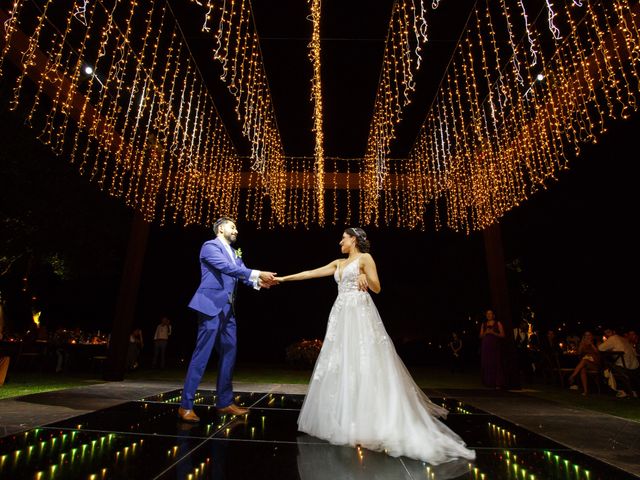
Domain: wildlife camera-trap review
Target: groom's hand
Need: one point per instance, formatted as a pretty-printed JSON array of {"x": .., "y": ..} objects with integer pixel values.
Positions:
[{"x": 267, "y": 279}]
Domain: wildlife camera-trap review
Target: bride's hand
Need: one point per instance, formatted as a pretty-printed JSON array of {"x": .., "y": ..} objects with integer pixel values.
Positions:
[
  {"x": 363, "y": 285},
  {"x": 279, "y": 279}
]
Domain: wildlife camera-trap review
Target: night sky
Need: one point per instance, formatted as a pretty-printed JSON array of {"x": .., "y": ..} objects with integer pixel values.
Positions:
[{"x": 578, "y": 257}]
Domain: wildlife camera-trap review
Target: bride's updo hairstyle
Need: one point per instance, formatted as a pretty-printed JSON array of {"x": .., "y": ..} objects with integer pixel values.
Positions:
[{"x": 361, "y": 238}]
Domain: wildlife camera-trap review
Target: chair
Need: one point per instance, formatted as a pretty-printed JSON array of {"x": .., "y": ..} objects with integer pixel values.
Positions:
[
  {"x": 97, "y": 361},
  {"x": 562, "y": 372},
  {"x": 621, "y": 374},
  {"x": 596, "y": 375},
  {"x": 556, "y": 368},
  {"x": 31, "y": 355}
]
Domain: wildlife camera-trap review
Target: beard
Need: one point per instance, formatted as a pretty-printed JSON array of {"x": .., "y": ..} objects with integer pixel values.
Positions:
[{"x": 231, "y": 238}]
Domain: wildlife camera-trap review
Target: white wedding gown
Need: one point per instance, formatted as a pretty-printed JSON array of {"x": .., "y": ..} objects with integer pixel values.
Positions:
[{"x": 362, "y": 394}]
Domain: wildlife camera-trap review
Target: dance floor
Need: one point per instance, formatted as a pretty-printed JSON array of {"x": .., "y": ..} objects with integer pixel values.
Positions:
[{"x": 145, "y": 440}]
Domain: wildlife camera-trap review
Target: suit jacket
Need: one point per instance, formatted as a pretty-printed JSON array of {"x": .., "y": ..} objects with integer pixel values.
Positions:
[{"x": 220, "y": 275}]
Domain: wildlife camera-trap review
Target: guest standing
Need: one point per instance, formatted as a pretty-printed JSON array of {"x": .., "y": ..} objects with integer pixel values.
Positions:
[
  {"x": 136, "y": 343},
  {"x": 491, "y": 336},
  {"x": 523, "y": 358},
  {"x": 455, "y": 350},
  {"x": 160, "y": 340}
]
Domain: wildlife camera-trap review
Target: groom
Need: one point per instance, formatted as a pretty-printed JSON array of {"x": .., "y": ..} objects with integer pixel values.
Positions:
[{"x": 221, "y": 268}]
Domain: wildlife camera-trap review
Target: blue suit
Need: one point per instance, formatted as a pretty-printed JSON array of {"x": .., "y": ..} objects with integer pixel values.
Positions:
[{"x": 213, "y": 301}]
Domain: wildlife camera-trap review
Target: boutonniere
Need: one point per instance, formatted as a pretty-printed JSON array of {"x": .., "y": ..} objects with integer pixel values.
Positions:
[{"x": 239, "y": 253}]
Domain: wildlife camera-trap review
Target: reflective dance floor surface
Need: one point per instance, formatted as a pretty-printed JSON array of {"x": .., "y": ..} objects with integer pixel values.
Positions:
[{"x": 145, "y": 440}]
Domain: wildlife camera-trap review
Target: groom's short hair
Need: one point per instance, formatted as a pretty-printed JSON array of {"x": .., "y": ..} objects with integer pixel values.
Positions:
[{"x": 221, "y": 221}]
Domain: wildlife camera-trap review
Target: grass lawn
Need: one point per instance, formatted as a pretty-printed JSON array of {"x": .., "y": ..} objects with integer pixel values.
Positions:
[
  {"x": 252, "y": 373},
  {"x": 24, "y": 383},
  {"x": 605, "y": 402}
]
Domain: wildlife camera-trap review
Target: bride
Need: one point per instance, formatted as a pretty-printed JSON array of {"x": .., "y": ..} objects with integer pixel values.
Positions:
[{"x": 360, "y": 391}]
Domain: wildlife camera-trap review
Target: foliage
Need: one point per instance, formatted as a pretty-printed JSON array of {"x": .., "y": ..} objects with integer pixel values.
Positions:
[
  {"x": 49, "y": 215},
  {"x": 57, "y": 231},
  {"x": 304, "y": 353},
  {"x": 27, "y": 383}
]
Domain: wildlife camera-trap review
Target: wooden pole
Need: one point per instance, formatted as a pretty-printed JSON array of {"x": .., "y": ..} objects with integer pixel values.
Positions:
[
  {"x": 123, "y": 321},
  {"x": 500, "y": 303}
]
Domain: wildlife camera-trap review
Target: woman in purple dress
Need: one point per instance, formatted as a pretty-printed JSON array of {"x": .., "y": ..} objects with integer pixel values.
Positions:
[{"x": 491, "y": 335}]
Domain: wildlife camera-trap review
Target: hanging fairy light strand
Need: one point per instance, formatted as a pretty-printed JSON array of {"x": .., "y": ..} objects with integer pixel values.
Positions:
[
  {"x": 316, "y": 98},
  {"x": 491, "y": 140},
  {"x": 401, "y": 59},
  {"x": 237, "y": 49},
  {"x": 139, "y": 124},
  {"x": 112, "y": 86}
]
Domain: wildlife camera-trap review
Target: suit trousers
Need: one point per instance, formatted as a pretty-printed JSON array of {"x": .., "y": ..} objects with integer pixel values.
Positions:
[{"x": 218, "y": 332}]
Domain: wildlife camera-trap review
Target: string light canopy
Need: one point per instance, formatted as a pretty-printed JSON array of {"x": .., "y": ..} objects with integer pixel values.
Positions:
[
  {"x": 316, "y": 97},
  {"x": 116, "y": 90},
  {"x": 502, "y": 123},
  {"x": 112, "y": 85},
  {"x": 402, "y": 58},
  {"x": 237, "y": 49}
]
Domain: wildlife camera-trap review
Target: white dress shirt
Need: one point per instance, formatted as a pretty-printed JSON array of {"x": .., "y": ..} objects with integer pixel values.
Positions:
[
  {"x": 162, "y": 332},
  {"x": 621, "y": 344},
  {"x": 253, "y": 278}
]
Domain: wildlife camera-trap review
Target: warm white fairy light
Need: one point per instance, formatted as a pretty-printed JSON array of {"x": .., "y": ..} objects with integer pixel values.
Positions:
[
  {"x": 420, "y": 31},
  {"x": 484, "y": 155},
  {"x": 551, "y": 15},
  {"x": 80, "y": 12},
  {"x": 532, "y": 46},
  {"x": 237, "y": 49},
  {"x": 316, "y": 97},
  {"x": 514, "y": 48},
  {"x": 401, "y": 59},
  {"x": 147, "y": 131},
  {"x": 126, "y": 130}
]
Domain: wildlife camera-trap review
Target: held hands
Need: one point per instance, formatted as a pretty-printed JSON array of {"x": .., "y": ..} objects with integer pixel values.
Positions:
[{"x": 267, "y": 279}]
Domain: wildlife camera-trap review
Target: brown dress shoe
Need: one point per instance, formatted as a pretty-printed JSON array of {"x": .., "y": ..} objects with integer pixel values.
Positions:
[
  {"x": 233, "y": 409},
  {"x": 188, "y": 415}
]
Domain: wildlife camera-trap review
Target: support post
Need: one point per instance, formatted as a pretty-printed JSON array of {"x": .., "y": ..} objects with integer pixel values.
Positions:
[
  {"x": 500, "y": 298},
  {"x": 116, "y": 364}
]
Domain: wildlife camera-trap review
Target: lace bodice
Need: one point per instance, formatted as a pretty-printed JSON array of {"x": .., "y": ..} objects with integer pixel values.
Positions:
[{"x": 347, "y": 277}]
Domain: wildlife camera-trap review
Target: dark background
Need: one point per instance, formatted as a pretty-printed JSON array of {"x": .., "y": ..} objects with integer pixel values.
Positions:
[{"x": 573, "y": 244}]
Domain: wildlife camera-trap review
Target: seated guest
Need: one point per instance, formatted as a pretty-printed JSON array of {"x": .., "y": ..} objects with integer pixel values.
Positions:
[
  {"x": 628, "y": 362},
  {"x": 632, "y": 336},
  {"x": 573, "y": 343},
  {"x": 550, "y": 343},
  {"x": 589, "y": 360}
]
